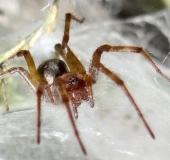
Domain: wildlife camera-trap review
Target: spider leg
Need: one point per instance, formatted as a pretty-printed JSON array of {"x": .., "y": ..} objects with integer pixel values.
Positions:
[
  {"x": 73, "y": 63},
  {"x": 32, "y": 82},
  {"x": 65, "y": 100},
  {"x": 64, "y": 50},
  {"x": 75, "y": 66},
  {"x": 39, "y": 95},
  {"x": 24, "y": 73},
  {"x": 30, "y": 62},
  {"x": 119, "y": 82},
  {"x": 132, "y": 49},
  {"x": 68, "y": 19},
  {"x": 97, "y": 66}
]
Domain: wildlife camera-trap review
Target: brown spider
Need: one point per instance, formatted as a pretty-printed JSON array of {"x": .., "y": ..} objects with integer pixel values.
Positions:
[{"x": 55, "y": 83}]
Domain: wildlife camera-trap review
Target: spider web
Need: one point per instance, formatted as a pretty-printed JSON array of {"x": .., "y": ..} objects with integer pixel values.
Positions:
[{"x": 112, "y": 129}]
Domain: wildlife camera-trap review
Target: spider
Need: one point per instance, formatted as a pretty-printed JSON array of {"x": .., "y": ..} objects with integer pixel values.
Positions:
[{"x": 56, "y": 83}]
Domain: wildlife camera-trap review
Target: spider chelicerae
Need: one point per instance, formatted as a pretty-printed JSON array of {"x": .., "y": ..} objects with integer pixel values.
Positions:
[{"x": 53, "y": 82}]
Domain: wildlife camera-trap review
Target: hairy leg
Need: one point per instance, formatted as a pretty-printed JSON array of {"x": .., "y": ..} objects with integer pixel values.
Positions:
[
  {"x": 68, "y": 19},
  {"x": 96, "y": 66},
  {"x": 64, "y": 50},
  {"x": 133, "y": 49},
  {"x": 66, "y": 103},
  {"x": 40, "y": 90},
  {"x": 32, "y": 82},
  {"x": 120, "y": 83}
]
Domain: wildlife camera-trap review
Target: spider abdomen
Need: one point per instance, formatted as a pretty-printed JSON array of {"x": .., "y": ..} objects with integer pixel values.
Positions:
[{"x": 51, "y": 69}]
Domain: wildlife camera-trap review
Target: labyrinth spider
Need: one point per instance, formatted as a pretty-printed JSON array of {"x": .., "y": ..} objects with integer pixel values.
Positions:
[{"x": 55, "y": 83}]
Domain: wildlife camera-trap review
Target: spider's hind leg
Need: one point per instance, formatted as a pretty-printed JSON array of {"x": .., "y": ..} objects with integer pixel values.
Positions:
[
  {"x": 120, "y": 83},
  {"x": 96, "y": 66},
  {"x": 65, "y": 100},
  {"x": 132, "y": 49}
]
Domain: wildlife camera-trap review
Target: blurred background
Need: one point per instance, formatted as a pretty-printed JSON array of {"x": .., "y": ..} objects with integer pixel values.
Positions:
[{"x": 16, "y": 15}]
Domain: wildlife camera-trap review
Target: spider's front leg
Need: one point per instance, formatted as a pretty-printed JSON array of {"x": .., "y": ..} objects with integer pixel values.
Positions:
[
  {"x": 64, "y": 50},
  {"x": 68, "y": 19},
  {"x": 75, "y": 66},
  {"x": 96, "y": 66},
  {"x": 65, "y": 100}
]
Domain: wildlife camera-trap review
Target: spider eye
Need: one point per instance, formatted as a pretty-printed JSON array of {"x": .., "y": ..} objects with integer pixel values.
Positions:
[{"x": 73, "y": 81}]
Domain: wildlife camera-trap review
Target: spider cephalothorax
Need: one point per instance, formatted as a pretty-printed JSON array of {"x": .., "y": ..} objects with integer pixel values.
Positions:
[
  {"x": 78, "y": 89},
  {"x": 56, "y": 83}
]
